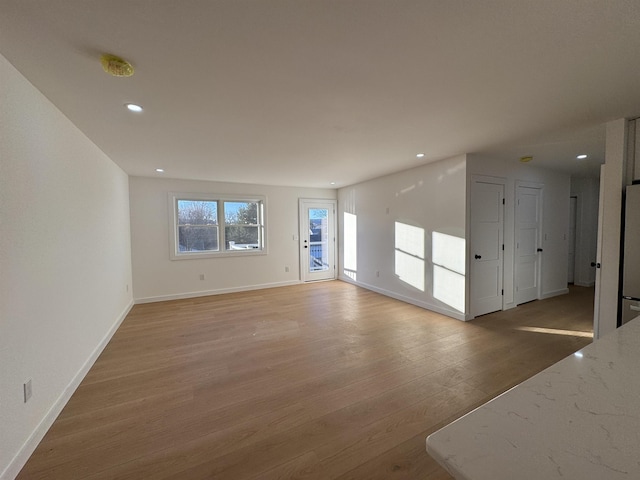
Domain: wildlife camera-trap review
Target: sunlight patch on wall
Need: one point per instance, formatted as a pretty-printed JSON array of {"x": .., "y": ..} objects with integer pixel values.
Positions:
[
  {"x": 350, "y": 245},
  {"x": 409, "y": 249},
  {"x": 448, "y": 255}
]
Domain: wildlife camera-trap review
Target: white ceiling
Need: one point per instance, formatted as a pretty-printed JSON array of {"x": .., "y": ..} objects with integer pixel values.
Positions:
[{"x": 308, "y": 92}]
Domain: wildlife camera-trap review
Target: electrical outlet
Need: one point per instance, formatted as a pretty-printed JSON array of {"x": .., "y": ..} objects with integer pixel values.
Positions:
[
  {"x": 286, "y": 269},
  {"x": 377, "y": 273},
  {"x": 27, "y": 390},
  {"x": 202, "y": 276},
  {"x": 127, "y": 287}
]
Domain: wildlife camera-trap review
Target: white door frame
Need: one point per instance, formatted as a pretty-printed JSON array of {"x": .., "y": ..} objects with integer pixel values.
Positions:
[{"x": 303, "y": 205}]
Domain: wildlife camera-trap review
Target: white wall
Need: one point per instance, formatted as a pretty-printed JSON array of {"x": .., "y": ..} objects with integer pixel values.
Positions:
[
  {"x": 157, "y": 277},
  {"x": 65, "y": 261},
  {"x": 430, "y": 198},
  {"x": 586, "y": 191},
  {"x": 555, "y": 220}
]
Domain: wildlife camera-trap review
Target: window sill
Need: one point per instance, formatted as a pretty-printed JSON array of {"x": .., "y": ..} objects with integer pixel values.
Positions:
[{"x": 229, "y": 253}]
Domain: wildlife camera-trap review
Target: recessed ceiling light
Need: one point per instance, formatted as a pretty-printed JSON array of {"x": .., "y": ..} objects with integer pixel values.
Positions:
[
  {"x": 133, "y": 107},
  {"x": 333, "y": 183},
  {"x": 160, "y": 170},
  {"x": 420, "y": 155},
  {"x": 526, "y": 159},
  {"x": 581, "y": 157}
]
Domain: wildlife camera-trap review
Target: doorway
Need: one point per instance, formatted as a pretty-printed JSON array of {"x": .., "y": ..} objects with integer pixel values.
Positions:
[
  {"x": 528, "y": 221},
  {"x": 571, "y": 267},
  {"x": 487, "y": 245},
  {"x": 317, "y": 239}
]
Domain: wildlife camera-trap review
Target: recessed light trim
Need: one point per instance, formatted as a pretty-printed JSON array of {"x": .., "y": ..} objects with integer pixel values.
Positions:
[
  {"x": 160, "y": 170},
  {"x": 581, "y": 156},
  {"x": 526, "y": 159},
  {"x": 420, "y": 155},
  {"x": 133, "y": 107}
]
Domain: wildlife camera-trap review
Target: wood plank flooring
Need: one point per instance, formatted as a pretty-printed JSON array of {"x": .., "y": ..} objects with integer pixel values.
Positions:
[{"x": 314, "y": 381}]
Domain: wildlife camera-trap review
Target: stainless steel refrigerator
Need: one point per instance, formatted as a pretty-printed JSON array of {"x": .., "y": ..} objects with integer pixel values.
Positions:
[{"x": 631, "y": 260}]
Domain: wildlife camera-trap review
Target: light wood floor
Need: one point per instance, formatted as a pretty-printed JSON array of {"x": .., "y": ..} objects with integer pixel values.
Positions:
[{"x": 316, "y": 381}]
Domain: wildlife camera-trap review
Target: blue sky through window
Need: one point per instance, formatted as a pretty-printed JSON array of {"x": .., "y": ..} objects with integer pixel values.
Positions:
[{"x": 318, "y": 213}]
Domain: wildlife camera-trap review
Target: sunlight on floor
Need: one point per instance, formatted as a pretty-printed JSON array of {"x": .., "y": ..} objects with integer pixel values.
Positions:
[{"x": 555, "y": 331}]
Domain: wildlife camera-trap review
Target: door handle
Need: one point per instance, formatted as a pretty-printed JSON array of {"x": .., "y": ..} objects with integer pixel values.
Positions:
[
  {"x": 478, "y": 257},
  {"x": 539, "y": 250},
  {"x": 594, "y": 264}
]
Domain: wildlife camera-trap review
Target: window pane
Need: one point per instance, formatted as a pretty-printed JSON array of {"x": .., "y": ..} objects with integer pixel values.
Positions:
[
  {"x": 241, "y": 213},
  {"x": 318, "y": 248},
  {"x": 197, "y": 238},
  {"x": 242, "y": 237},
  {"x": 197, "y": 212},
  {"x": 197, "y": 226},
  {"x": 242, "y": 225}
]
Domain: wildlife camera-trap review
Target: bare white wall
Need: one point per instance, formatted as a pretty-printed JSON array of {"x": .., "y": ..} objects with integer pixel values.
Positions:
[
  {"x": 65, "y": 261},
  {"x": 157, "y": 277},
  {"x": 586, "y": 191},
  {"x": 431, "y": 198},
  {"x": 555, "y": 220}
]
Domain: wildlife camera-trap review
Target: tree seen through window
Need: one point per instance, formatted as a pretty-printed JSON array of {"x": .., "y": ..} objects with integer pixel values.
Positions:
[
  {"x": 197, "y": 226},
  {"x": 242, "y": 228}
]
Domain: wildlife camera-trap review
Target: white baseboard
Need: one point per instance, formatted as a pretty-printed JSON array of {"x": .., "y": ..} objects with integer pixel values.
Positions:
[
  {"x": 426, "y": 305},
  {"x": 554, "y": 293},
  {"x": 205, "y": 293},
  {"x": 27, "y": 449},
  {"x": 509, "y": 306}
]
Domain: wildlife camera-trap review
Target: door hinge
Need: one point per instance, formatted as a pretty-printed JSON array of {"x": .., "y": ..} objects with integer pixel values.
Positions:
[
  {"x": 503, "y": 201},
  {"x": 503, "y": 247},
  {"x": 502, "y": 292}
]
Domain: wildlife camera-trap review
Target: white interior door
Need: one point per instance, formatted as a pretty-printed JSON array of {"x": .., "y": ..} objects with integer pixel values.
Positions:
[
  {"x": 596, "y": 299},
  {"x": 571, "y": 265},
  {"x": 486, "y": 246},
  {"x": 528, "y": 242},
  {"x": 317, "y": 239}
]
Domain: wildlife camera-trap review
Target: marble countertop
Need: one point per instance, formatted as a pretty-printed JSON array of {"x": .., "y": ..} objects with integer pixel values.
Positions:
[{"x": 578, "y": 419}]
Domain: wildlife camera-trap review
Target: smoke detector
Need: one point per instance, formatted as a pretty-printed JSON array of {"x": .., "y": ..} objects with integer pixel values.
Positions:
[{"x": 116, "y": 66}]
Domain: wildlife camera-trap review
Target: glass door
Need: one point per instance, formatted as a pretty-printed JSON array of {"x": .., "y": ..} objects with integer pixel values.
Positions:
[{"x": 317, "y": 239}]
